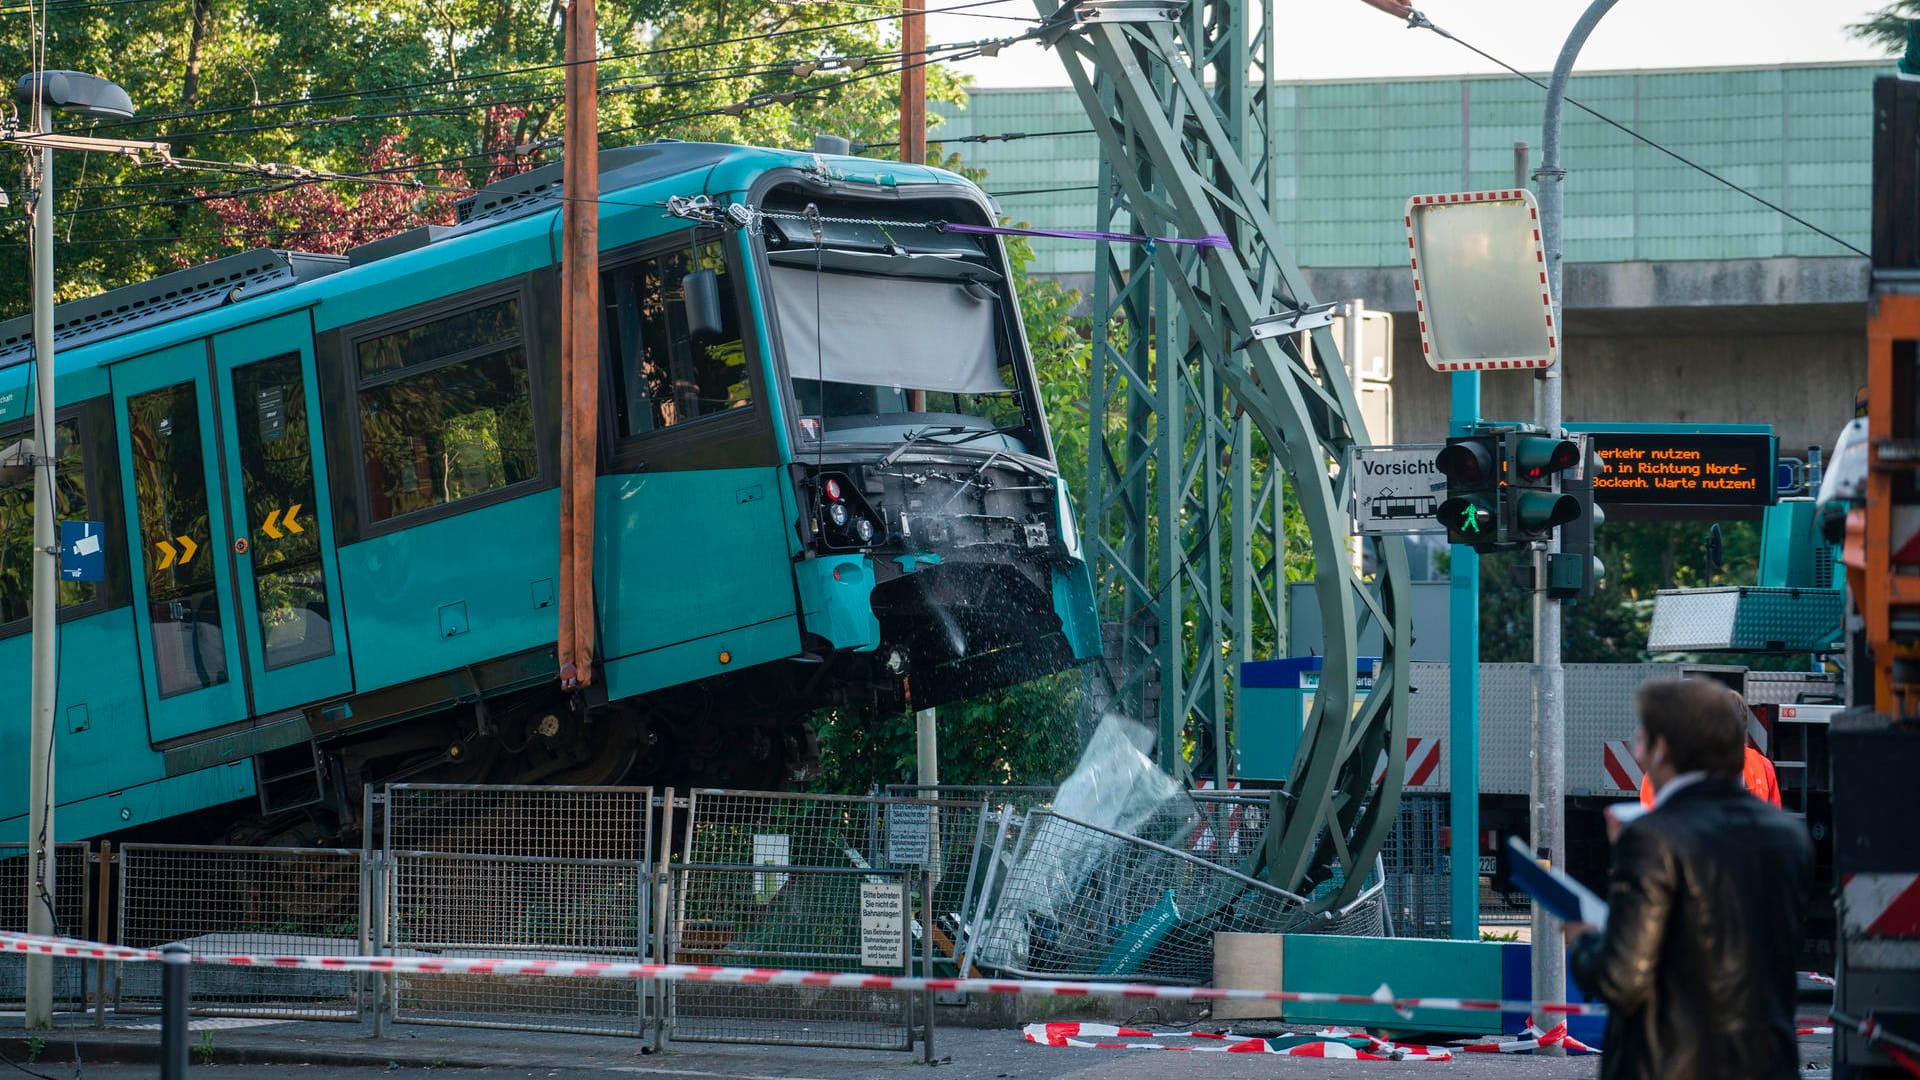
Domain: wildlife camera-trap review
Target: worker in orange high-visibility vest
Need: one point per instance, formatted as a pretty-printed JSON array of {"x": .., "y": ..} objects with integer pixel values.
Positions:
[{"x": 1758, "y": 773}]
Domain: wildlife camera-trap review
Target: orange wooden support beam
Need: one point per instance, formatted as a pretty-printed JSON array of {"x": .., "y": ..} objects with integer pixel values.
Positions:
[{"x": 579, "y": 347}]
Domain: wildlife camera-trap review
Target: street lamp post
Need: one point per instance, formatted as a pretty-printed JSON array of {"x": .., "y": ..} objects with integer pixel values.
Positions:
[
  {"x": 83, "y": 95},
  {"x": 1549, "y": 699}
]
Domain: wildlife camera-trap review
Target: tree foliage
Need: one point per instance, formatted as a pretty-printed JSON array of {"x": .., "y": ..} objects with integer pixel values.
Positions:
[
  {"x": 1888, "y": 26},
  {"x": 450, "y": 91}
]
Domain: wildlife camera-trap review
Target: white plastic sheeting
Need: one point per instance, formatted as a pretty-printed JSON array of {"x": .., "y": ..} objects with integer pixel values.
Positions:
[{"x": 914, "y": 333}]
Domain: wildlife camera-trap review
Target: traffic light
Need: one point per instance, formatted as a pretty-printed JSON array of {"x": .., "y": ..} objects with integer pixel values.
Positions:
[
  {"x": 1533, "y": 505},
  {"x": 1471, "y": 512},
  {"x": 1574, "y": 570}
]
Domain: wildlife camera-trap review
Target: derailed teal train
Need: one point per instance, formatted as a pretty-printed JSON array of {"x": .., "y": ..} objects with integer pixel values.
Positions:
[{"x": 327, "y": 489}]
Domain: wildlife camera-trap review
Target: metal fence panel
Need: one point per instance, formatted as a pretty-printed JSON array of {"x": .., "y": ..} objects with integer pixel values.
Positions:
[
  {"x": 72, "y": 900},
  {"x": 774, "y": 880},
  {"x": 785, "y": 916},
  {"x": 750, "y": 828},
  {"x": 1416, "y": 870},
  {"x": 518, "y": 872},
  {"x": 249, "y": 900}
]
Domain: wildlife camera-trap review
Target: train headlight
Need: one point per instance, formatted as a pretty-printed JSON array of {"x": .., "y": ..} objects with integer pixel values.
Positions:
[
  {"x": 834, "y": 491},
  {"x": 837, "y": 513},
  {"x": 864, "y": 529}
]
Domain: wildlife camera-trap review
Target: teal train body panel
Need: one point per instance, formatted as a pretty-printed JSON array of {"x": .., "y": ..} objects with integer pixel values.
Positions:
[
  {"x": 835, "y": 600},
  {"x": 455, "y": 592}
]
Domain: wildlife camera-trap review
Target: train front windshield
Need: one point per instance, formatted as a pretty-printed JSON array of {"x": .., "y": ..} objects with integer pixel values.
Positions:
[{"x": 880, "y": 346}]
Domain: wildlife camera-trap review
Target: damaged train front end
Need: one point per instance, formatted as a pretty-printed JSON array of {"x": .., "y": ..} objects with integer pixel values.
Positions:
[{"x": 939, "y": 556}]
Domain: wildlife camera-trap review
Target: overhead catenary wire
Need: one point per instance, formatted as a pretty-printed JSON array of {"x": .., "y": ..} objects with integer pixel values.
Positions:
[
  {"x": 732, "y": 109},
  {"x": 630, "y": 83},
  {"x": 560, "y": 65},
  {"x": 1418, "y": 21}
]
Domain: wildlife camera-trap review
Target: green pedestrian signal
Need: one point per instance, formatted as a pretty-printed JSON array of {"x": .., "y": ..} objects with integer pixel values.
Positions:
[
  {"x": 1469, "y": 518},
  {"x": 1470, "y": 513}
]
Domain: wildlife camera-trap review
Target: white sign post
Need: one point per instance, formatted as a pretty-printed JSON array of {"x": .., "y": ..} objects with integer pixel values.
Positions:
[{"x": 1396, "y": 489}]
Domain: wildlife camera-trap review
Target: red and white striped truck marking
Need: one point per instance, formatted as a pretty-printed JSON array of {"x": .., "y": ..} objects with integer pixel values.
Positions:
[
  {"x": 1625, "y": 772},
  {"x": 1905, "y": 539},
  {"x": 1881, "y": 905},
  {"x": 1423, "y": 760}
]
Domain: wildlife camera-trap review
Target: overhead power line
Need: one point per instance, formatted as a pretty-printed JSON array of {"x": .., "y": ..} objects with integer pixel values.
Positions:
[
  {"x": 669, "y": 50},
  {"x": 1419, "y": 21}
]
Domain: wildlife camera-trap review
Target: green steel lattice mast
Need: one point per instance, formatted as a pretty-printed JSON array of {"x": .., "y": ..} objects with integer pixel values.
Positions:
[{"x": 1205, "y": 409}]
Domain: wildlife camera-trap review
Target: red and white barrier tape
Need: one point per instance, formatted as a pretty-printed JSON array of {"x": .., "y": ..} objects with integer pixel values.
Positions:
[
  {"x": 1529, "y": 1040},
  {"x": 830, "y": 980},
  {"x": 1330, "y": 1043},
  {"x": 84, "y": 950}
]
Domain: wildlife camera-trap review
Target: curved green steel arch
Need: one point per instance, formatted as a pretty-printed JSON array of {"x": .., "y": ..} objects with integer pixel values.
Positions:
[{"x": 1173, "y": 147}]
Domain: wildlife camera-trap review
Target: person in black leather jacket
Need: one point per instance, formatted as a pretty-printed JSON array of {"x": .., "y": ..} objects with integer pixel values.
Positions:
[{"x": 1707, "y": 902}]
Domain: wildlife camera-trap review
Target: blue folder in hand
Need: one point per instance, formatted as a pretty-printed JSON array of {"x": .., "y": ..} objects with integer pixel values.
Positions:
[{"x": 1565, "y": 898}]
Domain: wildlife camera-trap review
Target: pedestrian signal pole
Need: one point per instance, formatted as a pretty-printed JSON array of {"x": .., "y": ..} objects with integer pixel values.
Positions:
[{"x": 1549, "y": 776}]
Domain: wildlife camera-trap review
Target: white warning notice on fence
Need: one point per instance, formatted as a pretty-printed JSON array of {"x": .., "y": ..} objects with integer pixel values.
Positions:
[{"x": 883, "y": 926}]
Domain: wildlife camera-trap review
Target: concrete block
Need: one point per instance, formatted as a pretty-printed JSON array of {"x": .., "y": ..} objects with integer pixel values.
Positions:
[{"x": 1248, "y": 962}]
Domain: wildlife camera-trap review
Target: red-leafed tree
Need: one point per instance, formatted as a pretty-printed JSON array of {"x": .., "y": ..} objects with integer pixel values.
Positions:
[{"x": 330, "y": 216}]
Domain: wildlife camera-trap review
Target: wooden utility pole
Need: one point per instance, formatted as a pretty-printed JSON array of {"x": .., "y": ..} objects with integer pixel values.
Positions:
[
  {"x": 913, "y": 82},
  {"x": 579, "y": 346}
]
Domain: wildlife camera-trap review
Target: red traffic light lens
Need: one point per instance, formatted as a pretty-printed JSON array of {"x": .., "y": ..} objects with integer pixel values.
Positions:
[{"x": 1465, "y": 462}]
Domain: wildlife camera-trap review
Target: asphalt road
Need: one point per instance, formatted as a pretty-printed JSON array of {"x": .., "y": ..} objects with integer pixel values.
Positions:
[{"x": 966, "y": 1054}]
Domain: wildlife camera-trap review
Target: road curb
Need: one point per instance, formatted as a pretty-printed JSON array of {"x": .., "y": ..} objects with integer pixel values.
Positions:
[{"x": 230, "y": 1048}]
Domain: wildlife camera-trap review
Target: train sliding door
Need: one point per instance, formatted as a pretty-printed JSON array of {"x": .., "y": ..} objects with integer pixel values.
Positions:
[
  {"x": 230, "y": 541},
  {"x": 178, "y": 540},
  {"x": 288, "y": 586}
]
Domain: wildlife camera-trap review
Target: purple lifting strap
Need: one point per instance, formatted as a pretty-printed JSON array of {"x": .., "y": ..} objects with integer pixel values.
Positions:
[{"x": 1211, "y": 240}]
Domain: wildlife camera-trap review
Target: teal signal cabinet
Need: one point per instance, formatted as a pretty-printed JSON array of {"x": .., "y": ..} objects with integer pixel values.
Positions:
[
  {"x": 1417, "y": 968},
  {"x": 1275, "y": 698}
]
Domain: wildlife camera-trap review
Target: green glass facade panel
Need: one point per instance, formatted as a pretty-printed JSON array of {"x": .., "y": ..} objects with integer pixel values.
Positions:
[{"x": 1349, "y": 152}]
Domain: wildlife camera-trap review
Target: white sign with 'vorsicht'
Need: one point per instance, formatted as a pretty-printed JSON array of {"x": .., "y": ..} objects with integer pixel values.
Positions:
[{"x": 1397, "y": 489}]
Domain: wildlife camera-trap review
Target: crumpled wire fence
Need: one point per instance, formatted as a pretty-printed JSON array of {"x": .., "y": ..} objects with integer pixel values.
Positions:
[{"x": 1083, "y": 901}]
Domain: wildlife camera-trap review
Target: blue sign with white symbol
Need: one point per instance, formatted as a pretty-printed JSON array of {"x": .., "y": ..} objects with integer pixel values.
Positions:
[{"x": 83, "y": 551}]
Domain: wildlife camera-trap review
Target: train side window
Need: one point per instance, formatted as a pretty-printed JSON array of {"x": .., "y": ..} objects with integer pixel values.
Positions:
[
  {"x": 276, "y": 473},
  {"x": 170, "y": 489},
  {"x": 666, "y": 374},
  {"x": 16, "y": 517},
  {"x": 446, "y": 410}
]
